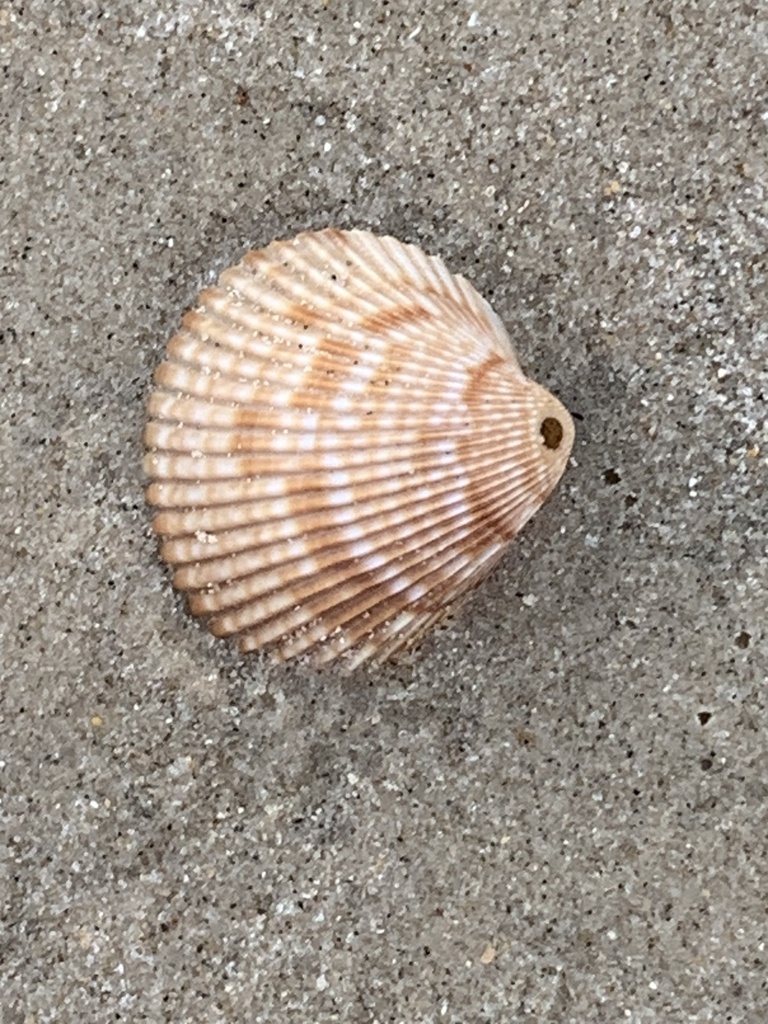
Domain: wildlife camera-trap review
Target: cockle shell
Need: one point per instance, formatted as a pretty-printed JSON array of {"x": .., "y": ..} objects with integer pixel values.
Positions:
[{"x": 341, "y": 444}]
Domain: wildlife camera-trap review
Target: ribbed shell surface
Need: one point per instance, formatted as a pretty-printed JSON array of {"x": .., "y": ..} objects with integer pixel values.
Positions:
[{"x": 341, "y": 443}]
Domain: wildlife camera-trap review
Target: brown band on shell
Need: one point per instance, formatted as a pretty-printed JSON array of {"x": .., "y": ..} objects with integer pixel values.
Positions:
[
  {"x": 499, "y": 503},
  {"x": 478, "y": 377},
  {"x": 395, "y": 318}
]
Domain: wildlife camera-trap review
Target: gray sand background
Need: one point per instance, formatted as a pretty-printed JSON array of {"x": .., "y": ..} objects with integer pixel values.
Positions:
[{"x": 558, "y": 811}]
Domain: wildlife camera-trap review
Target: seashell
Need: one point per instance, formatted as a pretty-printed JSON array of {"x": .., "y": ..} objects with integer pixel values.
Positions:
[{"x": 341, "y": 444}]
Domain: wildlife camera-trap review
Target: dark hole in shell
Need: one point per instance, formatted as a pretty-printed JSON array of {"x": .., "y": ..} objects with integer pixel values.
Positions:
[{"x": 552, "y": 432}]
